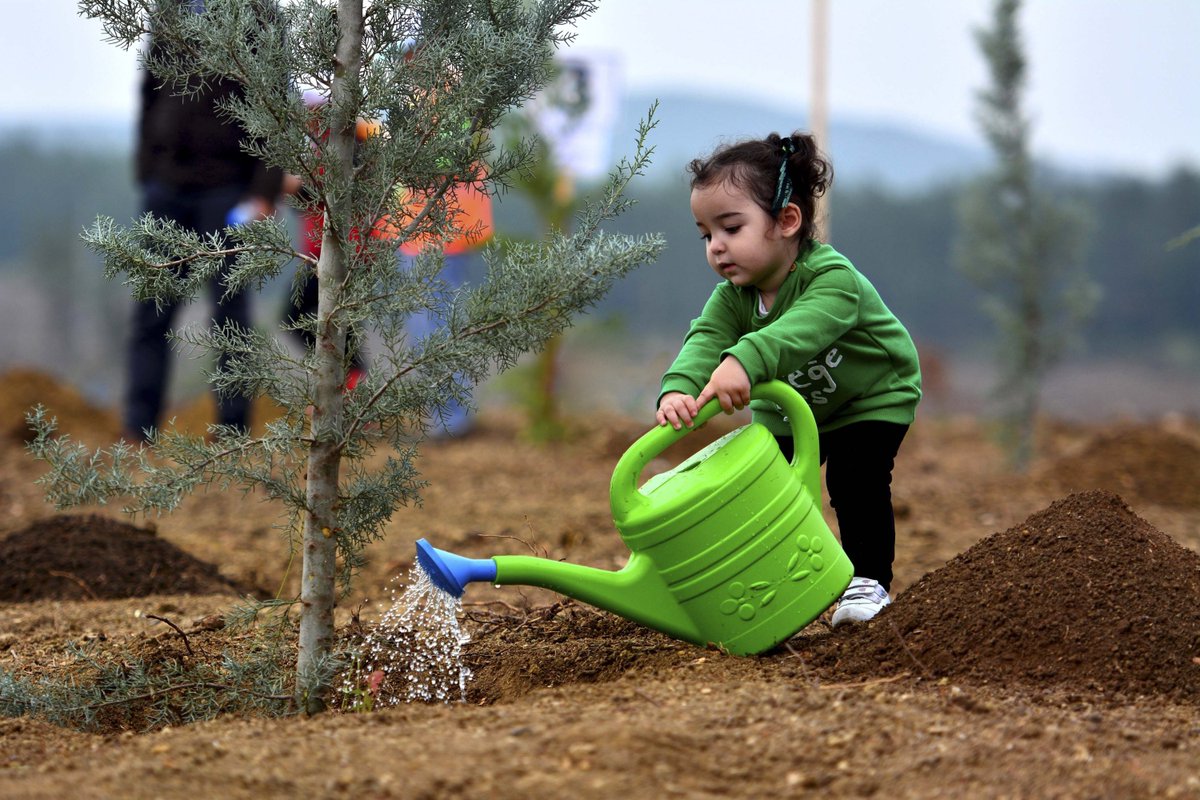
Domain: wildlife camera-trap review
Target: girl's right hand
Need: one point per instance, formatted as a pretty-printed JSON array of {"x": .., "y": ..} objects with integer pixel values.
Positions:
[{"x": 677, "y": 409}]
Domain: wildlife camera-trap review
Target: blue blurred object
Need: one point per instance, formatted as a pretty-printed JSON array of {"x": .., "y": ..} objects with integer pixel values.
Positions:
[
  {"x": 455, "y": 419},
  {"x": 241, "y": 214}
]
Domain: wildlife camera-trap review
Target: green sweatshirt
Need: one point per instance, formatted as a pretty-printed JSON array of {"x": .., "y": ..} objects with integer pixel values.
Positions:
[{"x": 828, "y": 335}]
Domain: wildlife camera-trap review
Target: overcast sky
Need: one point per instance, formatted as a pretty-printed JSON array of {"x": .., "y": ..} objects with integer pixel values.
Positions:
[{"x": 1111, "y": 82}]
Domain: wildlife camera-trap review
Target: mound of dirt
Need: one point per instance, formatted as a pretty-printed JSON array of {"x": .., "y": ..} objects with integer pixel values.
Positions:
[
  {"x": 23, "y": 388},
  {"x": 1141, "y": 462},
  {"x": 90, "y": 557},
  {"x": 1082, "y": 594},
  {"x": 557, "y": 645}
]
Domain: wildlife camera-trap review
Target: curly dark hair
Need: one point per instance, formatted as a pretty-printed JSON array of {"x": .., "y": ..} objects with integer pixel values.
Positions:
[{"x": 753, "y": 166}]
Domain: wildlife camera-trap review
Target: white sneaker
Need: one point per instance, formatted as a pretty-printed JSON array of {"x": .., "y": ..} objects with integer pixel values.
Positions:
[{"x": 862, "y": 600}]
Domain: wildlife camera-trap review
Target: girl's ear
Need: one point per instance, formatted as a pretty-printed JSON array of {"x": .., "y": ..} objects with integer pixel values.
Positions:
[{"x": 789, "y": 220}]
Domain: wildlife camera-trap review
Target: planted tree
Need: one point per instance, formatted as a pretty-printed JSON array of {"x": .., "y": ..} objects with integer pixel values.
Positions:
[
  {"x": 1020, "y": 244},
  {"x": 437, "y": 76}
]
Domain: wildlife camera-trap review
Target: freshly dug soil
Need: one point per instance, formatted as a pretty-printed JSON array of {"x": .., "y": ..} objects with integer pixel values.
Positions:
[
  {"x": 558, "y": 645},
  {"x": 1050, "y": 660},
  {"x": 1138, "y": 462},
  {"x": 1084, "y": 594},
  {"x": 23, "y": 388},
  {"x": 90, "y": 557}
]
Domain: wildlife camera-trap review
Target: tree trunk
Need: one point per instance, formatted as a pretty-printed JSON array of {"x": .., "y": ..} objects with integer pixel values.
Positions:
[
  {"x": 1031, "y": 342},
  {"x": 318, "y": 596}
]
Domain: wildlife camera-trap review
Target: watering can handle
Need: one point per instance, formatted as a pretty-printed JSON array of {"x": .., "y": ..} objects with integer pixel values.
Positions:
[{"x": 805, "y": 459}]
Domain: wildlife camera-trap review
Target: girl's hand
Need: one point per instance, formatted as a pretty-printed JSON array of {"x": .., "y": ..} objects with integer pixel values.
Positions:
[
  {"x": 678, "y": 409},
  {"x": 729, "y": 383}
]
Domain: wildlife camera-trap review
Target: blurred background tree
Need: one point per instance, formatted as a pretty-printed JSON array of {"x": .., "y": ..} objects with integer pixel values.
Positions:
[{"x": 1021, "y": 243}]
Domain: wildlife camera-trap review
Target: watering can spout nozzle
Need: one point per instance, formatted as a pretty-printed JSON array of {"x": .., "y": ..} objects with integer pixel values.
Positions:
[{"x": 451, "y": 573}]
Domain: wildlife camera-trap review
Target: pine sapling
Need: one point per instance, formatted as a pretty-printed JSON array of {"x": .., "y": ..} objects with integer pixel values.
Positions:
[{"x": 436, "y": 76}]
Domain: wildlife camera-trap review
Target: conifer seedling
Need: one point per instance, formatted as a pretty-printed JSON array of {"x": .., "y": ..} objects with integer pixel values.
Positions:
[{"x": 437, "y": 75}]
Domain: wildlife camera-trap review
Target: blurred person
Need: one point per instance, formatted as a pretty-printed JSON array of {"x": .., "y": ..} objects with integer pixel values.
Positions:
[
  {"x": 472, "y": 226},
  {"x": 191, "y": 169},
  {"x": 462, "y": 254},
  {"x": 792, "y": 308},
  {"x": 309, "y": 233}
]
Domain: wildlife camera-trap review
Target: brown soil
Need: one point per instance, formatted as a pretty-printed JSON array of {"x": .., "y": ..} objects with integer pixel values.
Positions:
[
  {"x": 1145, "y": 462},
  {"x": 87, "y": 556},
  {"x": 1084, "y": 594},
  {"x": 1044, "y": 642},
  {"x": 23, "y": 388}
]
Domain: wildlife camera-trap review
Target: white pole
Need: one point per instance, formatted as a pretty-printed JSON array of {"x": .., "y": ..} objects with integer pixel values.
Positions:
[{"x": 819, "y": 115}]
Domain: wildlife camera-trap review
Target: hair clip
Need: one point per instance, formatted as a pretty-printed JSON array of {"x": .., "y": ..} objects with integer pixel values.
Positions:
[{"x": 783, "y": 185}]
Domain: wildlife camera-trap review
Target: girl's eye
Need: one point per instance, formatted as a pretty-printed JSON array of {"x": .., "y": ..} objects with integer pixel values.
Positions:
[
  {"x": 704, "y": 237},
  {"x": 733, "y": 229}
]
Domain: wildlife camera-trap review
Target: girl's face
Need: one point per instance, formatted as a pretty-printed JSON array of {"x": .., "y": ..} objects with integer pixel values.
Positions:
[{"x": 743, "y": 243}]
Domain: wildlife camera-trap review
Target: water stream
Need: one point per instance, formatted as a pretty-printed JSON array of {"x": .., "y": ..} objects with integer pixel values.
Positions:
[{"x": 415, "y": 653}]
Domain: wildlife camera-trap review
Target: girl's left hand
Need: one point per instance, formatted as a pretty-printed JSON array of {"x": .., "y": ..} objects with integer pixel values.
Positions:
[{"x": 729, "y": 383}]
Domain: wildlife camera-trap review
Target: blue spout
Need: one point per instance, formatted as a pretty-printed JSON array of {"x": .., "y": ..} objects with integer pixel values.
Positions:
[{"x": 451, "y": 573}]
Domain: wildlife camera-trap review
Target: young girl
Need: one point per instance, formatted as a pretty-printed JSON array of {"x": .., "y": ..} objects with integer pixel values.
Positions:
[{"x": 792, "y": 308}]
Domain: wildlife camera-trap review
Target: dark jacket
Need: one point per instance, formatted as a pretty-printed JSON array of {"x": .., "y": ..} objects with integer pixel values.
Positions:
[{"x": 185, "y": 143}]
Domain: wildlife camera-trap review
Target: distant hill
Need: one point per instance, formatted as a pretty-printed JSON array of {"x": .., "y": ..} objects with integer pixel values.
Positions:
[
  {"x": 864, "y": 151},
  {"x": 691, "y": 125}
]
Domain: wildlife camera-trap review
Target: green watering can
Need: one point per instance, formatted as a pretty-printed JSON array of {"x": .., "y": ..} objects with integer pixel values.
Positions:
[{"x": 729, "y": 548}]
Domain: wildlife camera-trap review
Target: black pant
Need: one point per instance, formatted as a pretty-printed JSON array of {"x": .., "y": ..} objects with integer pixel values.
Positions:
[
  {"x": 858, "y": 474},
  {"x": 148, "y": 354},
  {"x": 308, "y": 305}
]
